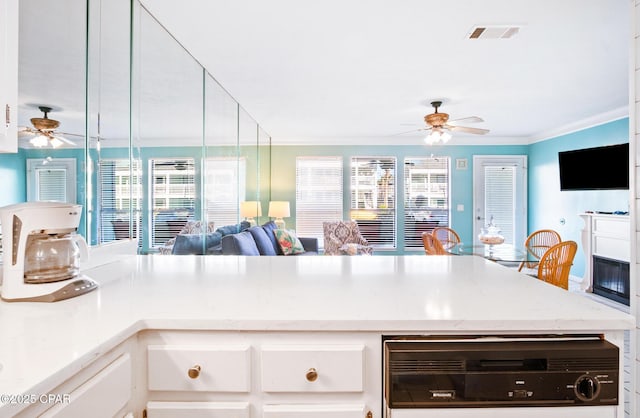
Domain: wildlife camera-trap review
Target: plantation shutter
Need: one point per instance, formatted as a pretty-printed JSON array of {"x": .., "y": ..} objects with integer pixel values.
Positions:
[
  {"x": 373, "y": 199},
  {"x": 500, "y": 198},
  {"x": 120, "y": 194},
  {"x": 225, "y": 188},
  {"x": 426, "y": 197},
  {"x": 318, "y": 194},
  {"x": 51, "y": 184},
  {"x": 173, "y": 197}
]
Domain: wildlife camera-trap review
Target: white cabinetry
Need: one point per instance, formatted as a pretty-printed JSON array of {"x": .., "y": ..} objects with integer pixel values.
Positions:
[
  {"x": 103, "y": 389},
  {"x": 258, "y": 374},
  {"x": 8, "y": 75}
]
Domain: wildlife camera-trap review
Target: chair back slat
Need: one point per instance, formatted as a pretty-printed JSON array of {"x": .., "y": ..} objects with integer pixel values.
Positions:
[
  {"x": 537, "y": 244},
  {"x": 447, "y": 236},
  {"x": 431, "y": 245},
  {"x": 555, "y": 264}
]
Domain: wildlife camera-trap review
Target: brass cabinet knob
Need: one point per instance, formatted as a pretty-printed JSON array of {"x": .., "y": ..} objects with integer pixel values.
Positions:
[
  {"x": 194, "y": 372},
  {"x": 311, "y": 375},
  {"x": 369, "y": 414}
]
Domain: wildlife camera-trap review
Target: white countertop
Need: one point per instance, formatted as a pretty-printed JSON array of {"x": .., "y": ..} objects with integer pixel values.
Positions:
[{"x": 43, "y": 344}]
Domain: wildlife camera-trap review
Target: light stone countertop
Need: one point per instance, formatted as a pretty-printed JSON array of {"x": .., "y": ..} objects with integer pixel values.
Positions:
[{"x": 43, "y": 344}]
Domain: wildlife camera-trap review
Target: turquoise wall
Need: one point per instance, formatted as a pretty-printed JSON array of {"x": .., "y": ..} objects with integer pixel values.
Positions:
[
  {"x": 13, "y": 175},
  {"x": 550, "y": 208}
]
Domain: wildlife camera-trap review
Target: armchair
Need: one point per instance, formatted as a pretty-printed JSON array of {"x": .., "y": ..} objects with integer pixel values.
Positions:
[{"x": 339, "y": 233}]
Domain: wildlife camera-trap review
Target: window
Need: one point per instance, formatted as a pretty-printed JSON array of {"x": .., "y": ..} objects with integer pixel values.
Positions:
[
  {"x": 172, "y": 196},
  {"x": 52, "y": 179},
  {"x": 426, "y": 197},
  {"x": 373, "y": 199},
  {"x": 225, "y": 187},
  {"x": 119, "y": 195},
  {"x": 318, "y": 194}
]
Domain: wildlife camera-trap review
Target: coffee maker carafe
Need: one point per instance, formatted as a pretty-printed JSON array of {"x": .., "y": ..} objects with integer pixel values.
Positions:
[{"x": 42, "y": 252}]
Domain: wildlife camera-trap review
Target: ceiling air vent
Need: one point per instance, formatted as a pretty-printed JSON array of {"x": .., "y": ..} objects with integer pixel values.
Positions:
[{"x": 493, "y": 32}]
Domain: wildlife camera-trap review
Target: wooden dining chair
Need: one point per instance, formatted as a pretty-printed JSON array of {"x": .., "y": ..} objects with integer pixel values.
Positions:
[
  {"x": 447, "y": 236},
  {"x": 431, "y": 245},
  {"x": 555, "y": 264},
  {"x": 536, "y": 244}
]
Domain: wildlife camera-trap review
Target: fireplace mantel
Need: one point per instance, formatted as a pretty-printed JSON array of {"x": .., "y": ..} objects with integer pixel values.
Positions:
[{"x": 606, "y": 236}]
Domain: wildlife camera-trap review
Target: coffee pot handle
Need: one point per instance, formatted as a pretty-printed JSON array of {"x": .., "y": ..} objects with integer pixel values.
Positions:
[{"x": 82, "y": 246}]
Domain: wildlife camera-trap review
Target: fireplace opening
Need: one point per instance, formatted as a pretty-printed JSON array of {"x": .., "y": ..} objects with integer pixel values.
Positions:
[{"x": 611, "y": 279}]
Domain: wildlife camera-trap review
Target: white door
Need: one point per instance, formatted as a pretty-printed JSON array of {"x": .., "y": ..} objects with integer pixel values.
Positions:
[{"x": 500, "y": 194}]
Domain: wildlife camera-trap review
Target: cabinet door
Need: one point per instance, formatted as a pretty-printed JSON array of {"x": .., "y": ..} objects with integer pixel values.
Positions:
[
  {"x": 8, "y": 75},
  {"x": 198, "y": 410},
  {"x": 104, "y": 395},
  {"x": 314, "y": 411}
]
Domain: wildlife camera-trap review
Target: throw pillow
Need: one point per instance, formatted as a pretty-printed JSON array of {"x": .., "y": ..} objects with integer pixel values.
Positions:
[
  {"x": 262, "y": 240},
  {"x": 269, "y": 227},
  {"x": 289, "y": 243}
]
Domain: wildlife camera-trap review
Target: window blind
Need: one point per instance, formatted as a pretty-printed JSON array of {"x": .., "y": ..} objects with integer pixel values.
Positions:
[
  {"x": 51, "y": 184},
  {"x": 172, "y": 196},
  {"x": 500, "y": 199},
  {"x": 373, "y": 199},
  {"x": 426, "y": 197},
  {"x": 120, "y": 194},
  {"x": 318, "y": 194},
  {"x": 225, "y": 188}
]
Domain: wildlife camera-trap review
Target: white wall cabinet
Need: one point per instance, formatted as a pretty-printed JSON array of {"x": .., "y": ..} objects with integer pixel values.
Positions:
[{"x": 8, "y": 75}]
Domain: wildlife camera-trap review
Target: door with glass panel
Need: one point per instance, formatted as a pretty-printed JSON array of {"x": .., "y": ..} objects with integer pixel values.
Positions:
[{"x": 500, "y": 196}]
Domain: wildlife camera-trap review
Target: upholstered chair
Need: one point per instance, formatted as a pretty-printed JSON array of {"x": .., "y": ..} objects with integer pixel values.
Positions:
[{"x": 339, "y": 233}]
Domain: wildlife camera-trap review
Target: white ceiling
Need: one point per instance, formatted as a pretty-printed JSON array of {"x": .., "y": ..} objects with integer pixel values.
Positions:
[{"x": 364, "y": 70}]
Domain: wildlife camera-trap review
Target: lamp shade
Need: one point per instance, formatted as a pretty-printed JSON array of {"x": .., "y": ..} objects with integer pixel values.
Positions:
[
  {"x": 279, "y": 209},
  {"x": 250, "y": 209}
]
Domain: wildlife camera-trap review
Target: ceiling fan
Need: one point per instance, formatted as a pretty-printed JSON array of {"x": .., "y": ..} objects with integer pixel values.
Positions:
[
  {"x": 440, "y": 125},
  {"x": 44, "y": 130}
]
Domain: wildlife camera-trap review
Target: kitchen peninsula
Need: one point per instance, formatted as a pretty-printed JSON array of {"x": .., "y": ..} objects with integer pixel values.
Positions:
[{"x": 269, "y": 337}]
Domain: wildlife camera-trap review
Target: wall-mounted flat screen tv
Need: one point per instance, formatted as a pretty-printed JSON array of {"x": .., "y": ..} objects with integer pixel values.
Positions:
[{"x": 600, "y": 168}]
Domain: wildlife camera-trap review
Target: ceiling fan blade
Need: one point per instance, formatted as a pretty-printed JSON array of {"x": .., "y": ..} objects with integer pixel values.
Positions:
[
  {"x": 470, "y": 119},
  {"x": 413, "y": 130},
  {"x": 69, "y": 134},
  {"x": 63, "y": 139},
  {"x": 476, "y": 131}
]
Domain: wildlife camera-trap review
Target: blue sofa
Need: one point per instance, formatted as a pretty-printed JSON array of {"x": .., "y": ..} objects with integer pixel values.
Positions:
[
  {"x": 260, "y": 240},
  {"x": 201, "y": 244}
]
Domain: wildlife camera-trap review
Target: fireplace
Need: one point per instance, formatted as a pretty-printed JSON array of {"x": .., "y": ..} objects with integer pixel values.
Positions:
[{"x": 611, "y": 279}]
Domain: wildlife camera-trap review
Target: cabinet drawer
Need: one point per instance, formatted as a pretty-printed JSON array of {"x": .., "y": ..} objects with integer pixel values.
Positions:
[
  {"x": 314, "y": 411},
  {"x": 618, "y": 228},
  {"x": 104, "y": 395},
  {"x": 613, "y": 248},
  {"x": 198, "y": 409},
  {"x": 314, "y": 368},
  {"x": 199, "y": 368}
]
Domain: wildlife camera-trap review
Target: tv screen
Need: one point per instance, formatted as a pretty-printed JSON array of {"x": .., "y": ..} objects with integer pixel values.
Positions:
[{"x": 600, "y": 168}]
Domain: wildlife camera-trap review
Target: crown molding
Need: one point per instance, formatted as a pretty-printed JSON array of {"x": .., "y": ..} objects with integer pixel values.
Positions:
[{"x": 590, "y": 122}]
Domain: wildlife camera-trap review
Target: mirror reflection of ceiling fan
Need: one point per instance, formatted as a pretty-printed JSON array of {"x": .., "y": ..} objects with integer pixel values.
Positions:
[
  {"x": 44, "y": 131},
  {"x": 440, "y": 126}
]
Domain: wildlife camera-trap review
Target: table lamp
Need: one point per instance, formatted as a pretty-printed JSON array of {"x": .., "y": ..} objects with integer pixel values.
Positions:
[
  {"x": 279, "y": 210},
  {"x": 249, "y": 210}
]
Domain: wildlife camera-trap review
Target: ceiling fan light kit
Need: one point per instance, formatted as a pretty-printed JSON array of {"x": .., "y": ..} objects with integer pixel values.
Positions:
[
  {"x": 440, "y": 126},
  {"x": 43, "y": 129}
]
